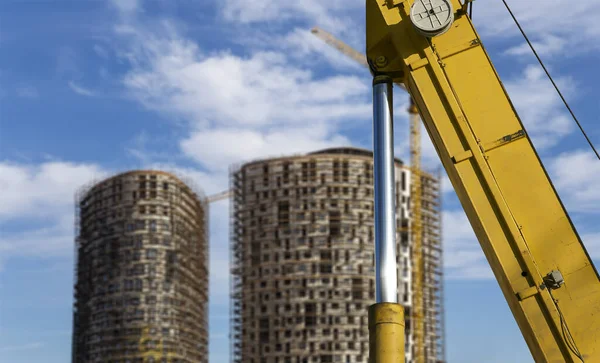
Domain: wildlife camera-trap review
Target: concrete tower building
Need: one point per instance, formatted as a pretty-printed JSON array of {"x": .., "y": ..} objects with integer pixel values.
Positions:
[
  {"x": 141, "y": 292},
  {"x": 303, "y": 258}
]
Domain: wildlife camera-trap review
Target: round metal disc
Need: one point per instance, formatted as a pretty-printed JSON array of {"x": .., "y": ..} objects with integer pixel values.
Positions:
[{"x": 432, "y": 17}]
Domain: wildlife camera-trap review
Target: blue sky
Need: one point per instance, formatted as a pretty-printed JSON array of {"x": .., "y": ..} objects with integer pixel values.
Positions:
[{"x": 89, "y": 88}]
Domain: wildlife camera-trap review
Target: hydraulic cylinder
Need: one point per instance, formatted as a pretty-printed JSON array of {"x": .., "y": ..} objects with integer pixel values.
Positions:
[{"x": 386, "y": 317}]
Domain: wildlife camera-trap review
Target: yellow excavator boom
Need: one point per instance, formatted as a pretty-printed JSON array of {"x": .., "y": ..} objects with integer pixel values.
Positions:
[{"x": 537, "y": 257}]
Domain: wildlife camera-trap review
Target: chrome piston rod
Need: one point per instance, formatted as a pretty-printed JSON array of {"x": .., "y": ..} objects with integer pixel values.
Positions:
[{"x": 386, "y": 285}]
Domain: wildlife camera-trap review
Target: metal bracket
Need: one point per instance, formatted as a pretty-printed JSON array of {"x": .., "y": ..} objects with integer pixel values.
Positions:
[
  {"x": 464, "y": 7},
  {"x": 395, "y": 3},
  {"x": 462, "y": 156},
  {"x": 553, "y": 280},
  {"x": 418, "y": 64},
  {"x": 504, "y": 140},
  {"x": 529, "y": 292}
]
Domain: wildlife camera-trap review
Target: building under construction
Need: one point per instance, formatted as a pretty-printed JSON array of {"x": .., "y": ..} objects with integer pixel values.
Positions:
[
  {"x": 303, "y": 258},
  {"x": 141, "y": 292}
]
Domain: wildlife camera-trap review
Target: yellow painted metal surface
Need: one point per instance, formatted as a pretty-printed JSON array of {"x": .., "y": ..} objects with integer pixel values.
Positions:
[
  {"x": 511, "y": 204},
  {"x": 386, "y": 333}
]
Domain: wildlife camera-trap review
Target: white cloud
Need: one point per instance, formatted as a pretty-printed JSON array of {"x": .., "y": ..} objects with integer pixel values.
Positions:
[
  {"x": 240, "y": 107},
  {"x": 463, "y": 256},
  {"x": 592, "y": 244},
  {"x": 457, "y": 258},
  {"x": 150, "y": 149},
  {"x": 138, "y": 148},
  {"x": 576, "y": 175},
  {"x": 548, "y": 44},
  {"x": 480, "y": 271},
  {"x": 236, "y": 145},
  {"x": 126, "y": 6},
  {"x": 80, "y": 90},
  {"x": 230, "y": 90},
  {"x": 55, "y": 239},
  {"x": 570, "y": 28},
  {"x": 446, "y": 184},
  {"x": 539, "y": 106},
  {"x": 40, "y": 190},
  {"x": 43, "y": 197},
  {"x": 27, "y": 92},
  {"x": 333, "y": 14}
]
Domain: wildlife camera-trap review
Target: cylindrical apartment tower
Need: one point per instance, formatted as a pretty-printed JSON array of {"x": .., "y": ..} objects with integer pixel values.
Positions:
[
  {"x": 141, "y": 292},
  {"x": 302, "y": 254}
]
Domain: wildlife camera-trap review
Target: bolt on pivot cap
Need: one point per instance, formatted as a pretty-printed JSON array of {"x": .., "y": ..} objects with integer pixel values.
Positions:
[
  {"x": 381, "y": 61},
  {"x": 432, "y": 17}
]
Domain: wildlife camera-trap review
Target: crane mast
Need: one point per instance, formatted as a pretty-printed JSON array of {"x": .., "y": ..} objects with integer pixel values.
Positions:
[
  {"x": 418, "y": 317},
  {"x": 537, "y": 257}
]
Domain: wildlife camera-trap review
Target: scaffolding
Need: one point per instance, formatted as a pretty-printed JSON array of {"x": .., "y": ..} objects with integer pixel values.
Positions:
[{"x": 141, "y": 275}]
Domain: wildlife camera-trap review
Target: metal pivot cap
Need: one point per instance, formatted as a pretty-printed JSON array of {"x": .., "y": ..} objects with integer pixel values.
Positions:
[{"x": 432, "y": 17}]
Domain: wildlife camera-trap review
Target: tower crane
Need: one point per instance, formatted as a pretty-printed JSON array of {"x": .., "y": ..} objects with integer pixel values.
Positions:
[
  {"x": 219, "y": 196},
  {"x": 417, "y": 316}
]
